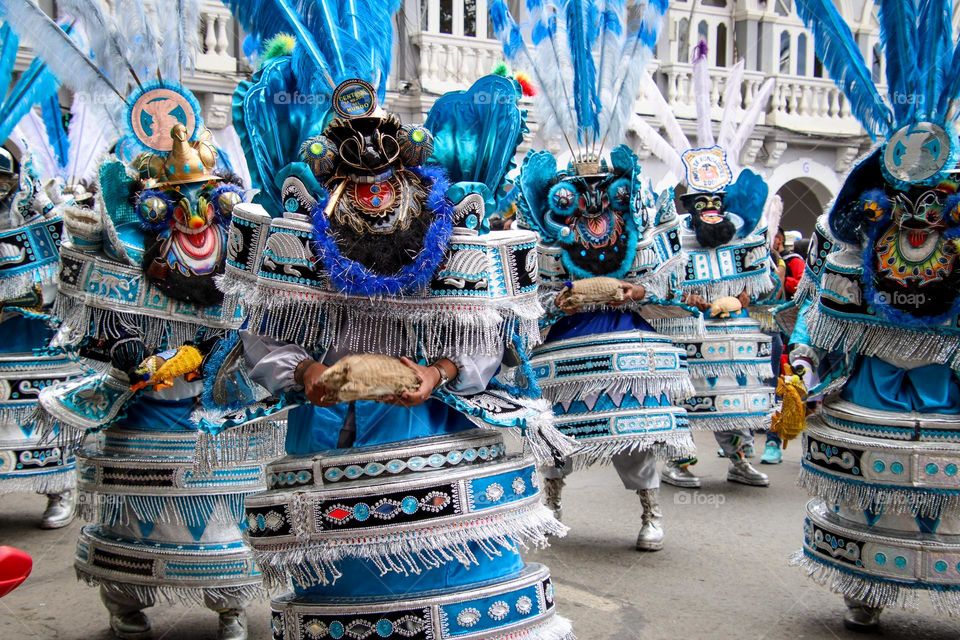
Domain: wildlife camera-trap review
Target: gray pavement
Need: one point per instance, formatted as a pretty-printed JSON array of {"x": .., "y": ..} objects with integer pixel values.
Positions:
[{"x": 723, "y": 573}]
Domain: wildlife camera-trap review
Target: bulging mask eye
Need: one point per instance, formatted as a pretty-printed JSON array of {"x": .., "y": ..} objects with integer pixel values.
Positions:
[
  {"x": 563, "y": 198},
  {"x": 153, "y": 209},
  {"x": 226, "y": 201},
  {"x": 618, "y": 194}
]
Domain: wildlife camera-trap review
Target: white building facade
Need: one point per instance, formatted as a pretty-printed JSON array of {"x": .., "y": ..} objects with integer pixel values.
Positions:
[{"x": 803, "y": 145}]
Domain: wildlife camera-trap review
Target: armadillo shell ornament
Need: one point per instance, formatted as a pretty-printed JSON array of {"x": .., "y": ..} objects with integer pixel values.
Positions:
[{"x": 369, "y": 376}]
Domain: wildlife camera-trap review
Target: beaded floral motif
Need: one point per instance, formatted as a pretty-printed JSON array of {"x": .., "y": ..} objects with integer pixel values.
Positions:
[
  {"x": 414, "y": 463},
  {"x": 387, "y": 508},
  {"x": 468, "y": 617}
]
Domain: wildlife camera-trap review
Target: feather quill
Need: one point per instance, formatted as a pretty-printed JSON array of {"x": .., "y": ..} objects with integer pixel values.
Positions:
[
  {"x": 841, "y": 57},
  {"x": 56, "y": 133},
  {"x": 9, "y": 43},
  {"x": 91, "y": 134},
  {"x": 611, "y": 43},
  {"x": 665, "y": 114},
  {"x": 731, "y": 104},
  {"x": 32, "y": 130},
  {"x": 748, "y": 122},
  {"x": 59, "y": 51},
  {"x": 642, "y": 34},
  {"x": 554, "y": 67},
  {"x": 935, "y": 39},
  {"x": 898, "y": 35},
  {"x": 586, "y": 100},
  {"x": 658, "y": 146},
  {"x": 702, "y": 88}
]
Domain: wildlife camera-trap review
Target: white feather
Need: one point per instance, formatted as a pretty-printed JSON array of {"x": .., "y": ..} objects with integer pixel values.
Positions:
[
  {"x": 91, "y": 133},
  {"x": 61, "y": 53},
  {"x": 228, "y": 142},
  {"x": 611, "y": 44},
  {"x": 633, "y": 61},
  {"x": 554, "y": 72},
  {"x": 749, "y": 121},
  {"x": 702, "y": 88},
  {"x": 658, "y": 146},
  {"x": 772, "y": 214},
  {"x": 33, "y": 131},
  {"x": 664, "y": 113},
  {"x": 731, "y": 104}
]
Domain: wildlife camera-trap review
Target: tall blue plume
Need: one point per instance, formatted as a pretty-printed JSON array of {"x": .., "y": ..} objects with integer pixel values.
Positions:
[
  {"x": 506, "y": 30},
  {"x": 840, "y": 55},
  {"x": 582, "y": 30},
  {"x": 56, "y": 132},
  {"x": 35, "y": 84},
  {"x": 898, "y": 34},
  {"x": 951, "y": 89},
  {"x": 935, "y": 41},
  {"x": 9, "y": 42}
]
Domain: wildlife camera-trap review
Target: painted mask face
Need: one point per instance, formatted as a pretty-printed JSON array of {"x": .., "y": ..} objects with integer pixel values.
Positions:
[
  {"x": 190, "y": 222},
  {"x": 914, "y": 262},
  {"x": 594, "y": 209},
  {"x": 710, "y": 222}
]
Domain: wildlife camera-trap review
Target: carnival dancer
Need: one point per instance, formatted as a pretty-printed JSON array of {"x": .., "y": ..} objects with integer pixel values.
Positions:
[
  {"x": 378, "y": 299},
  {"x": 137, "y": 294},
  {"x": 608, "y": 248},
  {"x": 881, "y": 457},
  {"x": 725, "y": 236},
  {"x": 30, "y": 232}
]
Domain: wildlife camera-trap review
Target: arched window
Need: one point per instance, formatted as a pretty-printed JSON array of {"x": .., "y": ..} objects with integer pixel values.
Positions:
[
  {"x": 784, "y": 52},
  {"x": 721, "y": 45},
  {"x": 703, "y": 31},
  {"x": 802, "y": 54},
  {"x": 683, "y": 40},
  {"x": 817, "y": 67}
]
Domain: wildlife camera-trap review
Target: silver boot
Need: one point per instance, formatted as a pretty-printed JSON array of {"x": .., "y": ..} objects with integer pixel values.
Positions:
[
  {"x": 233, "y": 625},
  {"x": 743, "y": 472},
  {"x": 679, "y": 476},
  {"x": 552, "y": 490},
  {"x": 60, "y": 510},
  {"x": 127, "y": 620},
  {"x": 651, "y": 533},
  {"x": 860, "y": 617}
]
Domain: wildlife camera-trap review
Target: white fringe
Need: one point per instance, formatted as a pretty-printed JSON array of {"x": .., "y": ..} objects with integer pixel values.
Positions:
[
  {"x": 316, "y": 322},
  {"x": 556, "y": 628},
  {"x": 893, "y": 499},
  {"x": 112, "y": 509},
  {"x": 894, "y": 342},
  {"x": 876, "y": 593},
  {"x": 45, "y": 483},
  {"x": 256, "y": 441},
  {"x": 686, "y": 326},
  {"x": 411, "y": 551},
  {"x": 701, "y": 370},
  {"x": 756, "y": 286},
  {"x": 677, "y": 386},
  {"x": 198, "y": 596},
  {"x": 728, "y": 423},
  {"x": 16, "y": 286},
  {"x": 673, "y": 446}
]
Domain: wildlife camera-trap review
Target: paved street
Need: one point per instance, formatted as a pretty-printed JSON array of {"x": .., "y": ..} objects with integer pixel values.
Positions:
[{"x": 723, "y": 573}]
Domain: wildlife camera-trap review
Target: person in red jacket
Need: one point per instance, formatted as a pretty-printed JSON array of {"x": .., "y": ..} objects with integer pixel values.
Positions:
[{"x": 784, "y": 245}]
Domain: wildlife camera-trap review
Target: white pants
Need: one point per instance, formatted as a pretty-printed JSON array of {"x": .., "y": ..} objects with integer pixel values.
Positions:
[
  {"x": 637, "y": 470},
  {"x": 733, "y": 442}
]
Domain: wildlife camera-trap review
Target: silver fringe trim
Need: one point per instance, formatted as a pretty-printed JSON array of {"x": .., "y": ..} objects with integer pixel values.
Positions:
[
  {"x": 659, "y": 283},
  {"x": 413, "y": 551},
  {"x": 917, "y": 502},
  {"x": 80, "y": 320},
  {"x": 677, "y": 386},
  {"x": 18, "y": 285},
  {"x": 689, "y": 326},
  {"x": 54, "y": 432},
  {"x": 672, "y": 446},
  {"x": 729, "y": 423},
  {"x": 232, "y": 446},
  {"x": 556, "y": 628},
  {"x": 46, "y": 483},
  {"x": 17, "y": 415},
  {"x": 193, "y": 511},
  {"x": 883, "y": 341},
  {"x": 386, "y": 326},
  {"x": 875, "y": 593},
  {"x": 150, "y": 594},
  {"x": 756, "y": 286},
  {"x": 701, "y": 370}
]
